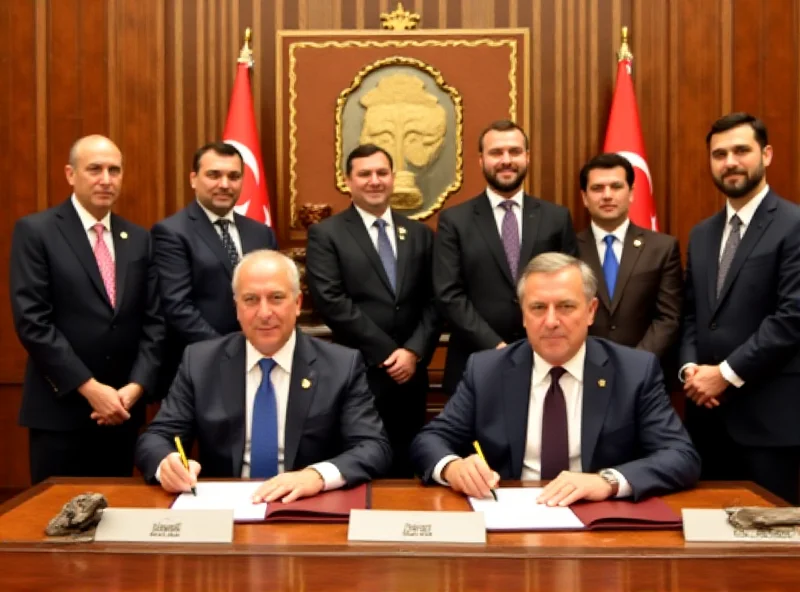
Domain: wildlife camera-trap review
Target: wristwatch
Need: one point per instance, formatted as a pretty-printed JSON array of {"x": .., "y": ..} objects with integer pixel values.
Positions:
[{"x": 610, "y": 477}]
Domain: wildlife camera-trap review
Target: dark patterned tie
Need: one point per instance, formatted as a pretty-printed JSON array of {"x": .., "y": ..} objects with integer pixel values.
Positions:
[
  {"x": 386, "y": 253},
  {"x": 555, "y": 435},
  {"x": 510, "y": 236},
  {"x": 728, "y": 252},
  {"x": 264, "y": 427},
  {"x": 227, "y": 241}
]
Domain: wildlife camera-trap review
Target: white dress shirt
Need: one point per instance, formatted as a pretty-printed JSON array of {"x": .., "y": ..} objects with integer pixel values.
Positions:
[
  {"x": 619, "y": 234},
  {"x": 745, "y": 213},
  {"x": 572, "y": 386},
  {"x": 495, "y": 200},
  {"x": 281, "y": 378},
  {"x": 88, "y": 221},
  {"x": 369, "y": 223},
  {"x": 232, "y": 230}
]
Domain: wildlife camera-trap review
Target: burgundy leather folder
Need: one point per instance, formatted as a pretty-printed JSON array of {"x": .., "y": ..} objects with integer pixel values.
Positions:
[
  {"x": 329, "y": 506},
  {"x": 649, "y": 514}
]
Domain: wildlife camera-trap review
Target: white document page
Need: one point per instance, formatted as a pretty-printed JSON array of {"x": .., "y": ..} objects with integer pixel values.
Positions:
[
  {"x": 224, "y": 495},
  {"x": 516, "y": 509}
]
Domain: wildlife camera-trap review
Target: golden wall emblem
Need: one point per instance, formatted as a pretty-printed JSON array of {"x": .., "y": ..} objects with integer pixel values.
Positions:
[{"x": 404, "y": 106}]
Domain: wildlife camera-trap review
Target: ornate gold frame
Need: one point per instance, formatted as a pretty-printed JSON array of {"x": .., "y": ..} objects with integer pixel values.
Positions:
[
  {"x": 459, "y": 109},
  {"x": 518, "y": 60}
]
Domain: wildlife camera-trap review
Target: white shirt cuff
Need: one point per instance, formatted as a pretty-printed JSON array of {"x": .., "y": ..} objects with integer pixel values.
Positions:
[
  {"x": 437, "y": 470},
  {"x": 625, "y": 489},
  {"x": 331, "y": 476},
  {"x": 158, "y": 472},
  {"x": 683, "y": 369},
  {"x": 729, "y": 375}
]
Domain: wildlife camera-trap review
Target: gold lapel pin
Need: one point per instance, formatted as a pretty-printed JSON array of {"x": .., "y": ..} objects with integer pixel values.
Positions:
[
  {"x": 401, "y": 232},
  {"x": 123, "y": 235},
  {"x": 305, "y": 383},
  {"x": 637, "y": 243},
  {"x": 601, "y": 383}
]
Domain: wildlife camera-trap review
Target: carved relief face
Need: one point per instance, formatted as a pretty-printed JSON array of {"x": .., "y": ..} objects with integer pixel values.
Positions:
[{"x": 405, "y": 120}]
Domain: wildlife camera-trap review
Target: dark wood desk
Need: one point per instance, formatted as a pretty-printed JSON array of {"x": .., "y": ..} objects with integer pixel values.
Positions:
[{"x": 318, "y": 557}]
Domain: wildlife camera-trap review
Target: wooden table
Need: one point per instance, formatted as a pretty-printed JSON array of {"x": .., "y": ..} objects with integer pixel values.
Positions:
[{"x": 293, "y": 557}]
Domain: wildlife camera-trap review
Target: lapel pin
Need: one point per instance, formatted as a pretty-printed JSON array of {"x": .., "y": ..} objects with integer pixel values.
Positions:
[
  {"x": 637, "y": 243},
  {"x": 401, "y": 232},
  {"x": 305, "y": 383},
  {"x": 123, "y": 235},
  {"x": 601, "y": 383}
]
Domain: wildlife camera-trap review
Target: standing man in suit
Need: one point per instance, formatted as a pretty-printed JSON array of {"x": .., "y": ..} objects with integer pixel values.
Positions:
[
  {"x": 268, "y": 402},
  {"x": 84, "y": 295},
  {"x": 196, "y": 250},
  {"x": 740, "y": 346},
  {"x": 589, "y": 415},
  {"x": 369, "y": 273},
  {"x": 640, "y": 277},
  {"x": 482, "y": 245}
]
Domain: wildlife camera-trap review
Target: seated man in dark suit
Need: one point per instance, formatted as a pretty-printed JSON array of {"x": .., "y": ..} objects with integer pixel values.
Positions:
[
  {"x": 586, "y": 413},
  {"x": 269, "y": 402}
]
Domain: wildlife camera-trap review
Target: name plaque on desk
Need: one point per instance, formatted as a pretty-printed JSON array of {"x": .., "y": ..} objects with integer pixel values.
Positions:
[
  {"x": 136, "y": 525},
  {"x": 399, "y": 526}
]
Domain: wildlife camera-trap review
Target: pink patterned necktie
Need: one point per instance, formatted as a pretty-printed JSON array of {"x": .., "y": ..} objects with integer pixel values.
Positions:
[{"x": 105, "y": 263}]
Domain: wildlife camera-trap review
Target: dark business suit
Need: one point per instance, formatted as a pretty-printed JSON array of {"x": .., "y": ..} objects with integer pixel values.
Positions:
[
  {"x": 755, "y": 326},
  {"x": 65, "y": 321},
  {"x": 627, "y": 421},
  {"x": 472, "y": 282},
  {"x": 352, "y": 292},
  {"x": 645, "y": 311},
  {"x": 195, "y": 275},
  {"x": 332, "y": 418}
]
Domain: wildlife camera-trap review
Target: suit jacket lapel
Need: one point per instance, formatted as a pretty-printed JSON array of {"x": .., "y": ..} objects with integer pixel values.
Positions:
[
  {"x": 355, "y": 225},
  {"x": 203, "y": 227},
  {"x": 588, "y": 247},
  {"x": 401, "y": 239},
  {"x": 232, "y": 388},
  {"x": 486, "y": 224},
  {"x": 631, "y": 250},
  {"x": 762, "y": 218},
  {"x": 75, "y": 234},
  {"x": 302, "y": 388},
  {"x": 121, "y": 255},
  {"x": 598, "y": 384},
  {"x": 517, "y": 389},
  {"x": 249, "y": 241},
  {"x": 712, "y": 246},
  {"x": 530, "y": 228}
]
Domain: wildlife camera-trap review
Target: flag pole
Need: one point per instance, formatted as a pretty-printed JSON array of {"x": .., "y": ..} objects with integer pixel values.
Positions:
[
  {"x": 624, "y": 52},
  {"x": 246, "y": 53}
]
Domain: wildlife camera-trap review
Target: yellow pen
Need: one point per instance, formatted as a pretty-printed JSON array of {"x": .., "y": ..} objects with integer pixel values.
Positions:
[
  {"x": 483, "y": 458},
  {"x": 184, "y": 460}
]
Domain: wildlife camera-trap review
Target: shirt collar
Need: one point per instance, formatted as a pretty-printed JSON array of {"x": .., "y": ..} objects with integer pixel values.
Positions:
[
  {"x": 87, "y": 220},
  {"x": 283, "y": 357},
  {"x": 748, "y": 210},
  {"x": 574, "y": 366},
  {"x": 214, "y": 217},
  {"x": 619, "y": 232},
  {"x": 496, "y": 199},
  {"x": 369, "y": 219}
]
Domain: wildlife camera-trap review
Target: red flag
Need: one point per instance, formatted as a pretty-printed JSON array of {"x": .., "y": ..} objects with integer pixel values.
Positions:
[
  {"x": 624, "y": 136},
  {"x": 240, "y": 131}
]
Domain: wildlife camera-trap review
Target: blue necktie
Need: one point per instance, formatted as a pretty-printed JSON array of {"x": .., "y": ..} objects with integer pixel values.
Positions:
[
  {"x": 610, "y": 265},
  {"x": 386, "y": 253},
  {"x": 264, "y": 432}
]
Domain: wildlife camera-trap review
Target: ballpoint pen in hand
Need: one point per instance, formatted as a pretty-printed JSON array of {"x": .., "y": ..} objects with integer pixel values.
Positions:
[{"x": 184, "y": 460}]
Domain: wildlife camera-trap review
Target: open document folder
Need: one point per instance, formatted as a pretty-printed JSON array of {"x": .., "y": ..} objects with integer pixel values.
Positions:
[
  {"x": 329, "y": 506},
  {"x": 516, "y": 509}
]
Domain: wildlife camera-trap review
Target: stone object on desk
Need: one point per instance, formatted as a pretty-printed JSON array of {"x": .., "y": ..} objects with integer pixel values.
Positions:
[
  {"x": 763, "y": 517},
  {"x": 78, "y": 518}
]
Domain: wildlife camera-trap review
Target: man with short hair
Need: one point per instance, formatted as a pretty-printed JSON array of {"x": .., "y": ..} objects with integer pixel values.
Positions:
[
  {"x": 84, "y": 295},
  {"x": 196, "y": 250},
  {"x": 590, "y": 415},
  {"x": 369, "y": 273},
  {"x": 268, "y": 402},
  {"x": 482, "y": 246},
  {"x": 741, "y": 320},
  {"x": 639, "y": 271}
]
